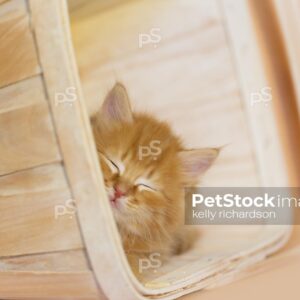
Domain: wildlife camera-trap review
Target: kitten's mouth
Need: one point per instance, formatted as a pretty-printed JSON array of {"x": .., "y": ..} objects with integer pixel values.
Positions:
[
  {"x": 113, "y": 201},
  {"x": 116, "y": 202},
  {"x": 116, "y": 197}
]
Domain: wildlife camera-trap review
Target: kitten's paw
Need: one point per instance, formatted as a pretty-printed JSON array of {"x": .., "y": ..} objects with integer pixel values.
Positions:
[{"x": 185, "y": 239}]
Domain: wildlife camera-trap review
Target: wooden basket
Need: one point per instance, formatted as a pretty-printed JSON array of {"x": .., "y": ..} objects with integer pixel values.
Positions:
[{"x": 58, "y": 239}]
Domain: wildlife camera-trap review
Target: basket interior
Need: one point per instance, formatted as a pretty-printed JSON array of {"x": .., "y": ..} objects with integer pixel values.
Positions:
[{"x": 187, "y": 78}]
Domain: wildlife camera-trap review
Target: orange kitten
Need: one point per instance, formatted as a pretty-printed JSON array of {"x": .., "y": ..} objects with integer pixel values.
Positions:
[{"x": 145, "y": 169}]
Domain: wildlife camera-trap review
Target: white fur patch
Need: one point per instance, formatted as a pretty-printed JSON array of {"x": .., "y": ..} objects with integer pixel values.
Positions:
[{"x": 121, "y": 166}]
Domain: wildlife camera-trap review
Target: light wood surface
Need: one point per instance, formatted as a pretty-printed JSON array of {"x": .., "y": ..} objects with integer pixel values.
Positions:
[
  {"x": 62, "y": 261},
  {"x": 79, "y": 9},
  {"x": 18, "y": 57},
  {"x": 289, "y": 22},
  {"x": 28, "y": 223},
  {"x": 276, "y": 278},
  {"x": 252, "y": 78},
  {"x": 277, "y": 69},
  {"x": 35, "y": 255},
  {"x": 41, "y": 285},
  {"x": 27, "y": 135}
]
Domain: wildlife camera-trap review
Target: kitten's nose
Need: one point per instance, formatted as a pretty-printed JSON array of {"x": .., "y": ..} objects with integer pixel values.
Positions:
[{"x": 119, "y": 192}]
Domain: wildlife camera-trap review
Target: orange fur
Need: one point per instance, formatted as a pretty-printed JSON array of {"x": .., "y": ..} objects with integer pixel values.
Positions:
[{"x": 149, "y": 206}]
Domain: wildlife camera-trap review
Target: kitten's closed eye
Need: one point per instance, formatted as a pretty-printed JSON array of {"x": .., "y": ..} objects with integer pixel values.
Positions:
[
  {"x": 118, "y": 168},
  {"x": 144, "y": 184},
  {"x": 114, "y": 167}
]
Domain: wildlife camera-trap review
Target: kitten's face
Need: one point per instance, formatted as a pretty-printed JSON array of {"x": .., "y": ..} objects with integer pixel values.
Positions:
[
  {"x": 142, "y": 178},
  {"x": 144, "y": 166}
]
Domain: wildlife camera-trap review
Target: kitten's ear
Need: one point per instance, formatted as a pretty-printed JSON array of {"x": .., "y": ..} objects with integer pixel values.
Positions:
[
  {"x": 116, "y": 106},
  {"x": 196, "y": 162}
]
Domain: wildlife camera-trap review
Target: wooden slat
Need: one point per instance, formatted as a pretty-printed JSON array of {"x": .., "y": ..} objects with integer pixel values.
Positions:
[
  {"x": 18, "y": 58},
  {"x": 284, "y": 99},
  {"x": 21, "y": 94},
  {"x": 65, "y": 261},
  {"x": 99, "y": 230},
  {"x": 276, "y": 277},
  {"x": 79, "y": 8},
  {"x": 28, "y": 223},
  {"x": 288, "y": 13},
  {"x": 252, "y": 78},
  {"x": 42, "y": 285},
  {"x": 26, "y": 133}
]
